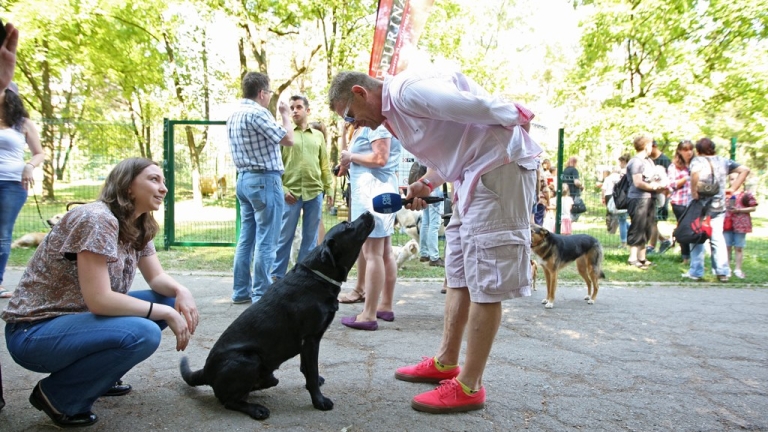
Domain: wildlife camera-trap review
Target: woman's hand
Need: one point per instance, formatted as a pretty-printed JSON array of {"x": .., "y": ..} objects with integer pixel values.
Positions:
[
  {"x": 186, "y": 306},
  {"x": 178, "y": 326},
  {"x": 346, "y": 159},
  {"x": 27, "y": 179}
]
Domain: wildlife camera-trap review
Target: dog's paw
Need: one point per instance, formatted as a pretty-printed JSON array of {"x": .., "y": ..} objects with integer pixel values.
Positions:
[
  {"x": 590, "y": 301},
  {"x": 588, "y": 297},
  {"x": 544, "y": 301},
  {"x": 549, "y": 305},
  {"x": 258, "y": 412},
  {"x": 323, "y": 404}
]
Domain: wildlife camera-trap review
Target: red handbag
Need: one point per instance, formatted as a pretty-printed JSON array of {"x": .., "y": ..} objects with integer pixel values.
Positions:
[{"x": 728, "y": 223}]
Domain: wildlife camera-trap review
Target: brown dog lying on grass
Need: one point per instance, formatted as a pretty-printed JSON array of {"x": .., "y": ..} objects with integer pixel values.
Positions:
[
  {"x": 557, "y": 251},
  {"x": 33, "y": 240}
]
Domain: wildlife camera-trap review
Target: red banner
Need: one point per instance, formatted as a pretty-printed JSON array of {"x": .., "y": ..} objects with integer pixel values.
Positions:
[{"x": 398, "y": 26}]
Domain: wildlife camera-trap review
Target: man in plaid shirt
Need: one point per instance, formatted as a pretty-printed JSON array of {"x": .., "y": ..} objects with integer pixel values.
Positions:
[{"x": 255, "y": 139}]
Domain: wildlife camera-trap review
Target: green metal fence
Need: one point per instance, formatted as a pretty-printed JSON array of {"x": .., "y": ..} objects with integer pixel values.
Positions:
[
  {"x": 77, "y": 161},
  {"x": 200, "y": 207}
]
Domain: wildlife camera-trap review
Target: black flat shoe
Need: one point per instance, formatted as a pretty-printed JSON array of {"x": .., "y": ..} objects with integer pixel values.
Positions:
[
  {"x": 78, "y": 420},
  {"x": 119, "y": 389}
]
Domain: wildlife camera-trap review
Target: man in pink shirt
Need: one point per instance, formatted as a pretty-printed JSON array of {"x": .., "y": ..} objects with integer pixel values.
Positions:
[{"x": 480, "y": 143}]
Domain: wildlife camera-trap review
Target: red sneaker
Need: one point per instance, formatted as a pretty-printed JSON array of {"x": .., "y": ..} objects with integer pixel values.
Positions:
[
  {"x": 448, "y": 397},
  {"x": 425, "y": 372}
]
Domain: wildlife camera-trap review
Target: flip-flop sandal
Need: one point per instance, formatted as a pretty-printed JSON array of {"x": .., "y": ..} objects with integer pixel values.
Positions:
[
  {"x": 344, "y": 298},
  {"x": 638, "y": 264},
  {"x": 4, "y": 293}
]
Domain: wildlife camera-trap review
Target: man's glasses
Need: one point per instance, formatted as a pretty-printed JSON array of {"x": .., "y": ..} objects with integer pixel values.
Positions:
[{"x": 347, "y": 118}]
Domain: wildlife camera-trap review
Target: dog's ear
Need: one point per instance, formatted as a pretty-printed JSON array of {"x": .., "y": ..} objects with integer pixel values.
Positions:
[
  {"x": 327, "y": 252},
  {"x": 540, "y": 230}
]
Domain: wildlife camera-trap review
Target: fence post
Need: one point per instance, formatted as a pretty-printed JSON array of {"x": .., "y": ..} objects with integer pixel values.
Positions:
[
  {"x": 170, "y": 179},
  {"x": 733, "y": 148},
  {"x": 560, "y": 151}
]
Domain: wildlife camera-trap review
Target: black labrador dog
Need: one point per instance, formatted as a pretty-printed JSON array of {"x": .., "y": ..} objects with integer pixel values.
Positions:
[{"x": 289, "y": 319}]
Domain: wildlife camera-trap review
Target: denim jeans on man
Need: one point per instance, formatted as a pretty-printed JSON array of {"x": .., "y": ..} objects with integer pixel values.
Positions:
[
  {"x": 313, "y": 212},
  {"x": 431, "y": 218},
  {"x": 719, "y": 257},
  {"x": 12, "y": 199},
  {"x": 84, "y": 354},
  {"x": 261, "y": 206}
]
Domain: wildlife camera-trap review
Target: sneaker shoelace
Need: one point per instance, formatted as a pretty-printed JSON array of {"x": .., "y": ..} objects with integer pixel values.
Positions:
[
  {"x": 425, "y": 363},
  {"x": 448, "y": 388}
]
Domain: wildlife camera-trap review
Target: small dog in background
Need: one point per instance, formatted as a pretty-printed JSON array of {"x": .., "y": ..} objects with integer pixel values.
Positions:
[
  {"x": 408, "y": 251},
  {"x": 408, "y": 221},
  {"x": 33, "y": 240},
  {"x": 534, "y": 273},
  {"x": 557, "y": 251}
]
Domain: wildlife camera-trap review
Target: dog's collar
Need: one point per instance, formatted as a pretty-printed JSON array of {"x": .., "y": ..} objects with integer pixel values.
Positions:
[{"x": 325, "y": 278}]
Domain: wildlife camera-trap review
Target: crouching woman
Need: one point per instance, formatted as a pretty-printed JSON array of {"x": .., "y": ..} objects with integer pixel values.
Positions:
[{"x": 72, "y": 315}]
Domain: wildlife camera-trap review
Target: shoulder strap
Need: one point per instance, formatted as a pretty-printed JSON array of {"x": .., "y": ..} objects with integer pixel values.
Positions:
[{"x": 711, "y": 168}]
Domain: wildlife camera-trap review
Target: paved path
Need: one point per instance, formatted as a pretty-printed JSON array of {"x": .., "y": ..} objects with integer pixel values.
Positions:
[{"x": 656, "y": 358}]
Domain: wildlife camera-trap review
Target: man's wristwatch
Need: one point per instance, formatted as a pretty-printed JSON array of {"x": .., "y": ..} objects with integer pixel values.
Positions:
[{"x": 428, "y": 183}]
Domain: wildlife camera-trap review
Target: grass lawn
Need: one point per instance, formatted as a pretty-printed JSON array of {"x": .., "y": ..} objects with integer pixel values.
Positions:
[
  {"x": 215, "y": 223},
  {"x": 667, "y": 269}
]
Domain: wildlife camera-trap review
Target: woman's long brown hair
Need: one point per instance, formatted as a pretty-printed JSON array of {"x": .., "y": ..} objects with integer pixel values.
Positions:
[{"x": 136, "y": 232}]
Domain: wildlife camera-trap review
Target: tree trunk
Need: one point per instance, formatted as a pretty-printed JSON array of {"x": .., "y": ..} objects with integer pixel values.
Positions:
[{"x": 47, "y": 135}]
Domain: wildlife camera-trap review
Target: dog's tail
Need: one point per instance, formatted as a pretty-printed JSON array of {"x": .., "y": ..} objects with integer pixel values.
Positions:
[
  {"x": 192, "y": 378},
  {"x": 597, "y": 260}
]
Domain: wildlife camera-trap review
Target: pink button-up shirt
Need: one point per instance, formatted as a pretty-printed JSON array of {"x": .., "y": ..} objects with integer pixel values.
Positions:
[{"x": 455, "y": 127}]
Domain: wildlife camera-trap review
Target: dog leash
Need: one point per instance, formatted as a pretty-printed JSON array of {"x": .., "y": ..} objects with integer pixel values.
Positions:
[{"x": 34, "y": 195}]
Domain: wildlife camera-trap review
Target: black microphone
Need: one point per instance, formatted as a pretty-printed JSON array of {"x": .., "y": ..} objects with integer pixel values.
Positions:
[{"x": 392, "y": 202}]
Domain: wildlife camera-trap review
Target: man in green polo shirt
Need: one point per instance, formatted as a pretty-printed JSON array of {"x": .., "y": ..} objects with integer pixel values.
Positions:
[{"x": 306, "y": 179}]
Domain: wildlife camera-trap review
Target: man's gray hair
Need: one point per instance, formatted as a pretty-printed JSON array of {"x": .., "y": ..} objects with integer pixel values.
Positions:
[{"x": 341, "y": 86}]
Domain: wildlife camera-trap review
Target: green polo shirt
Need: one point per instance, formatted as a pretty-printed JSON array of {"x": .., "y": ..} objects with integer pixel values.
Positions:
[{"x": 307, "y": 170}]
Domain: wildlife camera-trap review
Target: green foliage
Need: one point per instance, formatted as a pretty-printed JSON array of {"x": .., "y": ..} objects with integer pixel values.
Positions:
[{"x": 677, "y": 69}]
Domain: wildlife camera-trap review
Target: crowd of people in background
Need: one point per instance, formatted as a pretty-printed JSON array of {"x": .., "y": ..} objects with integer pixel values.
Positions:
[{"x": 658, "y": 182}]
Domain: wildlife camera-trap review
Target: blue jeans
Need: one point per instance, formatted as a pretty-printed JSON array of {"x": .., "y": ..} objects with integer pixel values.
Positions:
[
  {"x": 261, "y": 207},
  {"x": 623, "y": 226},
  {"x": 313, "y": 211},
  {"x": 84, "y": 354},
  {"x": 719, "y": 251},
  {"x": 431, "y": 218},
  {"x": 13, "y": 198}
]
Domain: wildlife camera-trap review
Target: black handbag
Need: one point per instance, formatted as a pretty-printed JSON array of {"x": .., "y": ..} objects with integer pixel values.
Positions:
[
  {"x": 578, "y": 206},
  {"x": 710, "y": 188}
]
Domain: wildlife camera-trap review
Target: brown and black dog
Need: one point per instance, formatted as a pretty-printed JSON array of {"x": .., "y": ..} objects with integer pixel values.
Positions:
[
  {"x": 557, "y": 251},
  {"x": 289, "y": 320}
]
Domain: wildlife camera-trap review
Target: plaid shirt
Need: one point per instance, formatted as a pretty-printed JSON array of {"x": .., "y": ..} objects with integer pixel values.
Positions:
[
  {"x": 681, "y": 195},
  {"x": 254, "y": 138}
]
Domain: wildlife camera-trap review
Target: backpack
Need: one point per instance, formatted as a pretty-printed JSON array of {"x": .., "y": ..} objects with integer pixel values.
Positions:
[
  {"x": 621, "y": 193},
  {"x": 694, "y": 224}
]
